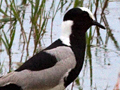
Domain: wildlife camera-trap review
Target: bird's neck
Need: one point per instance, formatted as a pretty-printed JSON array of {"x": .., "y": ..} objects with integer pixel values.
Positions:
[
  {"x": 78, "y": 40},
  {"x": 71, "y": 37},
  {"x": 75, "y": 38},
  {"x": 78, "y": 44},
  {"x": 66, "y": 32}
]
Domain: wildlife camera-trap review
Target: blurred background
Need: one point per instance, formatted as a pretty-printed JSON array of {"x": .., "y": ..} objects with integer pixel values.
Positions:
[{"x": 28, "y": 26}]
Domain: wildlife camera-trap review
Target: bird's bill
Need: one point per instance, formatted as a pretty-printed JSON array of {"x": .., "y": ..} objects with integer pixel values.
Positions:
[{"x": 98, "y": 24}]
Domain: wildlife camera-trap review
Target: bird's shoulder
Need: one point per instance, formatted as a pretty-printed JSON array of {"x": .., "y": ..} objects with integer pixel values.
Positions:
[{"x": 47, "y": 57}]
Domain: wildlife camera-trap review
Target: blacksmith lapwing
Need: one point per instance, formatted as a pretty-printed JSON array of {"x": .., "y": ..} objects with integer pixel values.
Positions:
[{"x": 55, "y": 67}]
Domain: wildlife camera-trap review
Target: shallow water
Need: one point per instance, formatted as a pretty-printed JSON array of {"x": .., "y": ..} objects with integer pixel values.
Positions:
[{"x": 100, "y": 72}]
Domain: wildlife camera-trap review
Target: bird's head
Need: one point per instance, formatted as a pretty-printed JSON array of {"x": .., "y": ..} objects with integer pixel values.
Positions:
[
  {"x": 78, "y": 20},
  {"x": 82, "y": 18}
]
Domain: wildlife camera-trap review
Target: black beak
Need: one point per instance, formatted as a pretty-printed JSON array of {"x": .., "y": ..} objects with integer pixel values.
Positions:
[{"x": 98, "y": 24}]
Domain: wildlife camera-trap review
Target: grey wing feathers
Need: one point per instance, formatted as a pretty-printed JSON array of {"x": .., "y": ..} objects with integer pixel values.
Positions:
[
  {"x": 61, "y": 52},
  {"x": 43, "y": 79}
]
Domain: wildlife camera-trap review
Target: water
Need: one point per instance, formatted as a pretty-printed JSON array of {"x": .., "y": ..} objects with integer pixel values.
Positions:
[{"x": 102, "y": 72}]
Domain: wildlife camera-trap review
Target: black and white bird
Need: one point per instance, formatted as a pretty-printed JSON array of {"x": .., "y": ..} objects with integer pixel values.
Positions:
[{"x": 55, "y": 67}]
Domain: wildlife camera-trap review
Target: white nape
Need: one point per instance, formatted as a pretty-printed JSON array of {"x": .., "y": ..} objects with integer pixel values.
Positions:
[
  {"x": 89, "y": 12},
  {"x": 66, "y": 31}
]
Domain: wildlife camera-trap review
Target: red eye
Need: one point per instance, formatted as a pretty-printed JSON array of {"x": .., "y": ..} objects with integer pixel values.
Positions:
[{"x": 85, "y": 14}]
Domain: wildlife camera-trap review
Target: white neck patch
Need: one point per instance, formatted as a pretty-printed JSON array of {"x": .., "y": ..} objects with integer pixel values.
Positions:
[
  {"x": 89, "y": 12},
  {"x": 66, "y": 31}
]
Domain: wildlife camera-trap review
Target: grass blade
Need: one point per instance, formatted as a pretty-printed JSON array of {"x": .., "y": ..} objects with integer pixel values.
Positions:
[{"x": 12, "y": 38}]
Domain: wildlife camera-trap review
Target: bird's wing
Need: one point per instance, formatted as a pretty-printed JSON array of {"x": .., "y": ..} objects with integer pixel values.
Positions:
[
  {"x": 43, "y": 79},
  {"x": 40, "y": 61},
  {"x": 46, "y": 58}
]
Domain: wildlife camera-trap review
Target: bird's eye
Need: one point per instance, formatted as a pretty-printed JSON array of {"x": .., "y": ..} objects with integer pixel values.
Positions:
[{"x": 85, "y": 14}]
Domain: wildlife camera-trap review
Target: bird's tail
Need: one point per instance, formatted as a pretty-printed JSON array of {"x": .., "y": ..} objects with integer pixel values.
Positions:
[{"x": 10, "y": 87}]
